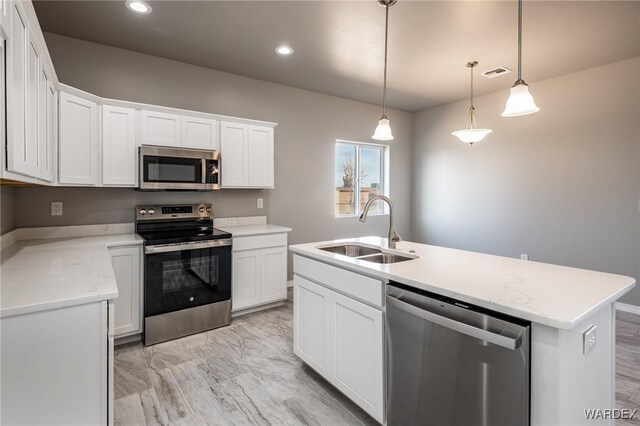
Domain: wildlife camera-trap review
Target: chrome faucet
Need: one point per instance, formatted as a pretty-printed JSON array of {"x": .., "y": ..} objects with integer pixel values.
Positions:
[{"x": 393, "y": 235}]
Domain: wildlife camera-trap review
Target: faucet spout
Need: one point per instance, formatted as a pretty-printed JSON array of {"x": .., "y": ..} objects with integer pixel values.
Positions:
[{"x": 393, "y": 235}]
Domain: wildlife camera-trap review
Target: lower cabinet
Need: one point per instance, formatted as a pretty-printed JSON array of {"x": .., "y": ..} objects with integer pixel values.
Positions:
[
  {"x": 57, "y": 366},
  {"x": 127, "y": 266},
  {"x": 259, "y": 275},
  {"x": 342, "y": 339}
]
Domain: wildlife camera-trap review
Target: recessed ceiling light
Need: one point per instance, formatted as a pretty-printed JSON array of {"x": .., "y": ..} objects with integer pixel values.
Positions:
[
  {"x": 284, "y": 50},
  {"x": 139, "y": 6}
]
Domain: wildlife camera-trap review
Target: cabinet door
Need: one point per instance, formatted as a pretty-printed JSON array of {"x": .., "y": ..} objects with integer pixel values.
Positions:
[
  {"x": 32, "y": 131},
  {"x": 47, "y": 119},
  {"x": 233, "y": 155},
  {"x": 357, "y": 343},
  {"x": 128, "y": 272},
  {"x": 261, "y": 160},
  {"x": 246, "y": 279},
  {"x": 118, "y": 146},
  {"x": 79, "y": 144},
  {"x": 159, "y": 128},
  {"x": 274, "y": 278},
  {"x": 200, "y": 133},
  {"x": 18, "y": 155},
  {"x": 311, "y": 334}
]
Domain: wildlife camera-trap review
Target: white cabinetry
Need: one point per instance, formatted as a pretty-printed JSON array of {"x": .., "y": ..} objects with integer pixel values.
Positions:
[
  {"x": 118, "y": 146},
  {"x": 339, "y": 336},
  {"x": 233, "y": 151},
  {"x": 48, "y": 125},
  {"x": 260, "y": 157},
  {"x": 259, "y": 270},
  {"x": 160, "y": 128},
  {"x": 247, "y": 154},
  {"x": 31, "y": 92},
  {"x": 127, "y": 266},
  {"x": 21, "y": 151},
  {"x": 200, "y": 133},
  {"x": 56, "y": 368},
  {"x": 79, "y": 145}
]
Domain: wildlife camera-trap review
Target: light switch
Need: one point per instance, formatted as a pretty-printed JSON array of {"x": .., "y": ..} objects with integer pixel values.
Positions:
[
  {"x": 56, "y": 208},
  {"x": 589, "y": 339}
]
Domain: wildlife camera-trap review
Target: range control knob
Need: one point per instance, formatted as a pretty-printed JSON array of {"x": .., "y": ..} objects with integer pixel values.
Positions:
[
  {"x": 142, "y": 212},
  {"x": 201, "y": 209},
  {"x": 151, "y": 211},
  {"x": 208, "y": 209}
]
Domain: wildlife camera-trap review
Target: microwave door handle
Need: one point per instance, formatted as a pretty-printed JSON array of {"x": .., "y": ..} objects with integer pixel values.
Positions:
[{"x": 203, "y": 178}]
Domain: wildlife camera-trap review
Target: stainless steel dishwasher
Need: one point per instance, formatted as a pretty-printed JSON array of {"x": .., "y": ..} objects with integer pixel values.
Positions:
[{"x": 453, "y": 364}]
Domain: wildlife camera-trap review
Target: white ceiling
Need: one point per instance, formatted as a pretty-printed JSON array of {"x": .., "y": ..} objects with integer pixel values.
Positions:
[{"x": 339, "y": 44}]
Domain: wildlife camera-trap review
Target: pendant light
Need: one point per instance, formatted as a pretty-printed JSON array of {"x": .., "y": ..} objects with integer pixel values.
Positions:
[
  {"x": 520, "y": 101},
  {"x": 471, "y": 134},
  {"x": 383, "y": 131}
]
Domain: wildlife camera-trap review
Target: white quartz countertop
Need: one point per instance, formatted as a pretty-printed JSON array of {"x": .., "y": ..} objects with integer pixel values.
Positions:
[
  {"x": 43, "y": 274},
  {"x": 552, "y": 295},
  {"x": 257, "y": 229}
]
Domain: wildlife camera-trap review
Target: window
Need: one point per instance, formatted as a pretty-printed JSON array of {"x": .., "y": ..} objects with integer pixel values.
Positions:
[{"x": 360, "y": 168}]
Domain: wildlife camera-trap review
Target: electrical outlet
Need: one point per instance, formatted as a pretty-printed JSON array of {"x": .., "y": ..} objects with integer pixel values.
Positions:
[
  {"x": 56, "y": 208},
  {"x": 260, "y": 203},
  {"x": 524, "y": 256},
  {"x": 589, "y": 340}
]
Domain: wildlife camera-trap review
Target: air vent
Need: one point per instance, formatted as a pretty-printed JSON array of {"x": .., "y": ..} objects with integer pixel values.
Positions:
[{"x": 495, "y": 72}]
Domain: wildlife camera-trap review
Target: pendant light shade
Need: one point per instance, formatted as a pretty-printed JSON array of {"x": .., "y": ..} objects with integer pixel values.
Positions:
[
  {"x": 471, "y": 134},
  {"x": 520, "y": 101},
  {"x": 383, "y": 130}
]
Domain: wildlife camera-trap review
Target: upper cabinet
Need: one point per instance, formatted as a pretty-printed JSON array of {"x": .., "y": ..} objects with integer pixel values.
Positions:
[
  {"x": 79, "y": 150},
  {"x": 247, "y": 155},
  {"x": 31, "y": 97},
  {"x": 55, "y": 134},
  {"x": 118, "y": 146},
  {"x": 200, "y": 133},
  {"x": 260, "y": 155},
  {"x": 234, "y": 144},
  {"x": 159, "y": 128},
  {"x": 48, "y": 125}
]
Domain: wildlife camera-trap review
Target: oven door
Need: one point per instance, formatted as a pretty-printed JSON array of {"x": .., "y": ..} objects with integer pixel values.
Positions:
[
  {"x": 181, "y": 276},
  {"x": 171, "y": 168}
]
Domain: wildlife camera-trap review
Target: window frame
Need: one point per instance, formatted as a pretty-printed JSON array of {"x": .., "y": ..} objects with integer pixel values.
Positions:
[{"x": 384, "y": 175}]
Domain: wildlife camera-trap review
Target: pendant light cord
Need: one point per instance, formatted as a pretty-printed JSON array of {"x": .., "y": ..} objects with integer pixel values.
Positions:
[
  {"x": 519, "y": 40},
  {"x": 386, "y": 37}
]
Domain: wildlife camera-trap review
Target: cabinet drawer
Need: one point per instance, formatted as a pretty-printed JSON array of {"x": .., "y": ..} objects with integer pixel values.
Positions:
[
  {"x": 259, "y": 241},
  {"x": 359, "y": 286}
]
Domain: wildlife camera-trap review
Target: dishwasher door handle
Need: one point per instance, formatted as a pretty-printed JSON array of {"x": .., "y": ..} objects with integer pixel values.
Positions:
[{"x": 469, "y": 330}]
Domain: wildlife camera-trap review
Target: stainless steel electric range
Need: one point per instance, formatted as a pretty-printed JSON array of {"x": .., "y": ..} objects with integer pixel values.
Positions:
[{"x": 187, "y": 265}]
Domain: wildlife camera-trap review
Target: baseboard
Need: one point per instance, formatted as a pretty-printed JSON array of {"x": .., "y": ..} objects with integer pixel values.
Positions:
[
  {"x": 625, "y": 307},
  {"x": 239, "y": 313},
  {"x": 290, "y": 284}
]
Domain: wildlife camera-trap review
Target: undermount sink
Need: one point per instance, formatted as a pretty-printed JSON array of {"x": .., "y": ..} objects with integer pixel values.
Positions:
[
  {"x": 351, "y": 250},
  {"x": 385, "y": 258},
  {"x": 368, "y": 254}
]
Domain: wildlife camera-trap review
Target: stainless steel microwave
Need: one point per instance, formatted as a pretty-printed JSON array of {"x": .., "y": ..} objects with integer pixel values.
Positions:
[{"x": 166, "y": 169}]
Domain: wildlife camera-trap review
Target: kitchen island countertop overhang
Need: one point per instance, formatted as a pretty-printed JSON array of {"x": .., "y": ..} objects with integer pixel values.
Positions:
[{"x": 556, "y": 296}]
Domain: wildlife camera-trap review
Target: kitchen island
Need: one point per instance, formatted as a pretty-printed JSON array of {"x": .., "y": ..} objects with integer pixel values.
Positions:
[{"x": 561, "y": 303}]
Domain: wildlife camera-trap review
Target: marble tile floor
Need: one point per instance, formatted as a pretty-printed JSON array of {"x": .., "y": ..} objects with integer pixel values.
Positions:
[
  {"x": 628, "y": 364},
  {"x": 246, "y": 374}
]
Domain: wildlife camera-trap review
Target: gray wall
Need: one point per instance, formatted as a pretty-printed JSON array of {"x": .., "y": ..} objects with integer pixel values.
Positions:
[
  {"x": 7, "y": 212},
  {"x": 309, "y": 124},
  {"x": 562, "y": 185}
]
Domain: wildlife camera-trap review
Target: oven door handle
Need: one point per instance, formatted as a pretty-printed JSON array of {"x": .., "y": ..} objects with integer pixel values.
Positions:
[{"x": 166, "y": 248}]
